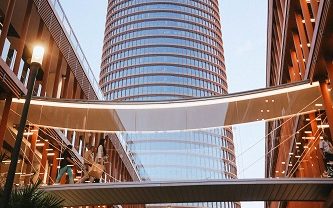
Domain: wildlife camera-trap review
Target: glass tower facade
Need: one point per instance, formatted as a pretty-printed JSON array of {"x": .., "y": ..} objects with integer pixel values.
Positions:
[{"x": 167, "y": 50}]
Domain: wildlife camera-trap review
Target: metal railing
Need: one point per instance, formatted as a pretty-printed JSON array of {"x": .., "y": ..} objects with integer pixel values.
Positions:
[{"x": 62, "y": 18}]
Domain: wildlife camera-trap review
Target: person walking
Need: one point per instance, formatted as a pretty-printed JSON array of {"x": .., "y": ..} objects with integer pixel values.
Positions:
[
  {"x": 66, "y": 165},
  {"x": 88, "y": 162}
]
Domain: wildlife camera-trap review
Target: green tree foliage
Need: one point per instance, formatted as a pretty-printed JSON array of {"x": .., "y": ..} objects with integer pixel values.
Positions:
[{"x": 32, "y": 197}]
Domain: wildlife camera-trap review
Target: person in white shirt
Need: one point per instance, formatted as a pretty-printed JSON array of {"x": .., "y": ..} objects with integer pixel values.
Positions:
[{"x": 101, "y": 152}]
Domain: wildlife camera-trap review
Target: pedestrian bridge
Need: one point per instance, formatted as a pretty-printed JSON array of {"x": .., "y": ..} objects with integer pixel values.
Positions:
[
  {"x": 193, "y": 114},
  {"x": 195, "y": 191}
]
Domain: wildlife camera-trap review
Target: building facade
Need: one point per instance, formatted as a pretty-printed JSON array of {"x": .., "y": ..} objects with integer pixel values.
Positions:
[
  {"x": 158, "y": 51},
  {"x": 67, "y": 75},
  {"x": 299, "y": 48}
]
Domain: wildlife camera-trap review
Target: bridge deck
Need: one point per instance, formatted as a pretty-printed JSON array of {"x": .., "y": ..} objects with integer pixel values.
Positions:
[
  {"x": 262, "y": 104},
  {"x": 194, "y": 191}
]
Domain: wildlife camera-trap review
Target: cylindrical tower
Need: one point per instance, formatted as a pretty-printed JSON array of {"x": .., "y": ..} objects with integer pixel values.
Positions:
[{"x": 164, "y": 50}]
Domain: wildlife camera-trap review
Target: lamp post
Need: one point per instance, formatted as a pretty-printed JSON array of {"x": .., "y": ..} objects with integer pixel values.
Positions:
[{"x": 35, "y": 73}]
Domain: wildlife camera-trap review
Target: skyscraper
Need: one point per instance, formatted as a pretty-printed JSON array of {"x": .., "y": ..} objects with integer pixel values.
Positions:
[{"x": 167, "y": 50}]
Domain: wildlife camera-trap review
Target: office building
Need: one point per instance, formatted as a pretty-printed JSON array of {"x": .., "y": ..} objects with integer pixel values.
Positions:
[{"x": 170, "y": 50}]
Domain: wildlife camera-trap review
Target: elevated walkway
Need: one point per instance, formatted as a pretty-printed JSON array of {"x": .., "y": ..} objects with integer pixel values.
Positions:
[
  {"x": 102, "y": 116},
  {"x": 194, "y": 191}
]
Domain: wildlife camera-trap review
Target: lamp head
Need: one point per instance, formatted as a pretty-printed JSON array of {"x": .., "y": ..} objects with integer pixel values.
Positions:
[{"x": 37, "y": 55}]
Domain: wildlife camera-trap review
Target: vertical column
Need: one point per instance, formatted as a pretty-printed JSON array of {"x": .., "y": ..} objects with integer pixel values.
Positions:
[
  {"x": 293, "y": 75},
  {"x": 113, "y": 162},
  {"x": 25, "y": 26},
  {"x": 57, "y": 75},
  {"x": 4, "y": 119},
  {"x": 31, "y": 153},
  {"x": 302, "y": 35},
  {"x": 6, "y": 23},
  {"x": 44, "y": 159},
  {"x": 74, "y": 89},
  {"x": 82, "y": 94},
  {"x": 327, "y": 104},
  {"x": 55, "y": 162},
  {"x": 299, "y": 54},
  {"x": 307, "y": 19},
  {"x": 314, "y": 7},
  {"x": 295, "y": 64},
  {"x": 47, "y": 67},
  {"x": 67, "y": 78},
  {"x": 329, "y": 69}
]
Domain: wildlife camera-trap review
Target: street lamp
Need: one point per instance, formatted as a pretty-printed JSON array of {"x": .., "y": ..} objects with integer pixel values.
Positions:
[{"x": 35, "y": 73}]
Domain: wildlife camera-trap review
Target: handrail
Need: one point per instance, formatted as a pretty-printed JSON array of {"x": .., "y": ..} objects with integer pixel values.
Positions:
[{"x": 63, "y": 20}]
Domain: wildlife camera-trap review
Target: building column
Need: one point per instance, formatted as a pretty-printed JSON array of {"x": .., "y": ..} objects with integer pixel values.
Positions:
[
  {"x": 74, "y": 89},
  {"x": 67, "y": 78},
  {"x": 4, "y": 119},
  {"x": 57, "y": 75},
  {"x": 47, "y": 67},
  {"x": 82, "y": 94},
  {"x": 299, "y": 55},
  {"x": 314, "y": 7},
  {"x": 295, "y": 65},
  {"x": 54, "y": 168},
  {"x": 44, "y": 159},
  {"x": 25, "y": 26},
  {"x": 31, "y": 153},
  {"x": 316, "y": 133},
  {"x": 302, "y": 36},
  {"x": 307, "y": 19},
  {"x": 329, "y": 69},
  {"x": 6, "y": 23},
  {"x": 327, "y": 104}
]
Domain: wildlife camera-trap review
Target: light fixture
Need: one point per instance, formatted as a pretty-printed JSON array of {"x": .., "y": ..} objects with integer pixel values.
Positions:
[
  {"x": 323, "y": 126},
  {"x": 318, "y": 104},
  {"x": 28, "y": 133},
  {"x": 310, "y": 137},
  {"x": 37, "y": 55},
  {"x": 308, "y": 132},
  {"x": 49, "y": 149},
  {"x": 40, "y": 144},
  {"x": 298, "y": 143},
  {"x": 50, "y": 154}
]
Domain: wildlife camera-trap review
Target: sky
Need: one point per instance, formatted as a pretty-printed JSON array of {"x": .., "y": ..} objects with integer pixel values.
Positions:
[{"x": 244, "y": 31}]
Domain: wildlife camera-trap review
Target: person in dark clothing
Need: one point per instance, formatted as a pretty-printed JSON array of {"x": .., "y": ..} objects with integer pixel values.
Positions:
[{"x": 66, "y": 165}]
